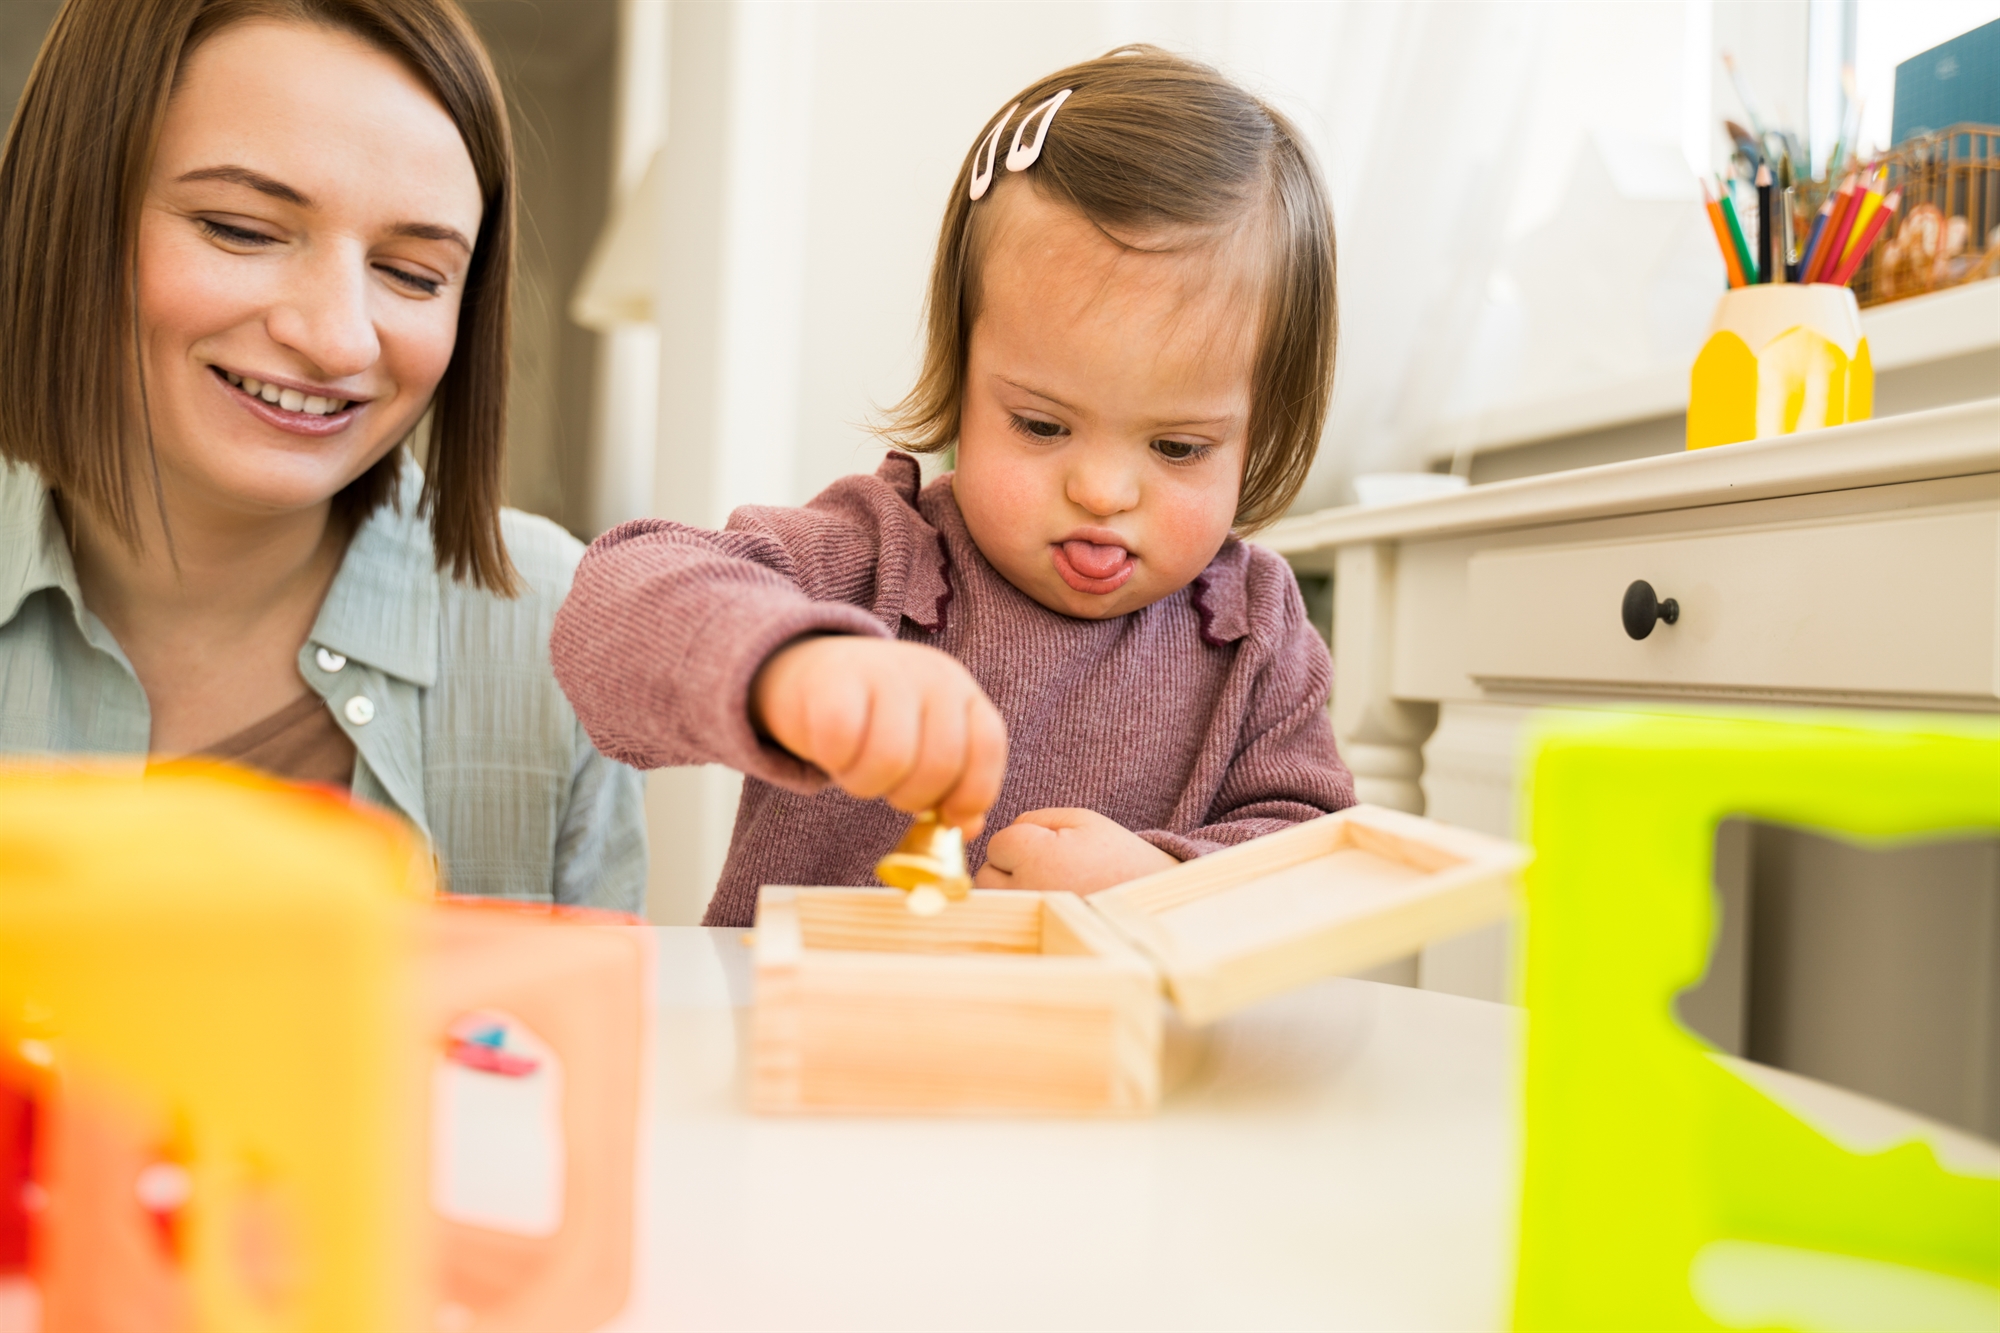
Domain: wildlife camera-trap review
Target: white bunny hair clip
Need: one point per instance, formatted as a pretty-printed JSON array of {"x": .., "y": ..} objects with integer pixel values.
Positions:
[{"x": 1018, "y": 157}]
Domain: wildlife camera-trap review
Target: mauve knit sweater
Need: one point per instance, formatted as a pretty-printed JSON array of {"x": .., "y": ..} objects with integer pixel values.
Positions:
[{"x": 1198, "y": 722}]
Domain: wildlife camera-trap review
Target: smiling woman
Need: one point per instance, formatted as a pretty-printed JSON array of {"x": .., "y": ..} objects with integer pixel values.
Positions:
[{"x": 246, "y": 248}]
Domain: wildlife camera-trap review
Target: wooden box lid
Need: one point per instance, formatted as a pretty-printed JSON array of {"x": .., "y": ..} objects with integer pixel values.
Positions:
[{"x": 1337, "y": 894}]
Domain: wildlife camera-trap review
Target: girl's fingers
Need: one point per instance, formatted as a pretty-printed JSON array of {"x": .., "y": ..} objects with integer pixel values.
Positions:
[
  {"x": 1030, "y": 856},
  {"x": 1058, "y": 818},
  {"x": 940, "y": 757},
  {"x": 1014, "y": 847},
  {"x": 985, "y": 766},
  {"x": 991, "y": 877},
  {"x": 889, "y": 749},
  {"x": 889, "y": 720},
  {"x": 834, "y": 720}
]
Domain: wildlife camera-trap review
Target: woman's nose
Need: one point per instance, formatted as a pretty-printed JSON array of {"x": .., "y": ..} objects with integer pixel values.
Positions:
[
  {"x": 325, "y": 316},
  {"x": 1103, "y": 486}
]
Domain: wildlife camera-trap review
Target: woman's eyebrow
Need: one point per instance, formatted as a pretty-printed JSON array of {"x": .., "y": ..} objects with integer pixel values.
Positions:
[
  {"x": 433, "y": 231},
  {"x": 255, "y": 180},
  {"x": 277, "y": 189}
]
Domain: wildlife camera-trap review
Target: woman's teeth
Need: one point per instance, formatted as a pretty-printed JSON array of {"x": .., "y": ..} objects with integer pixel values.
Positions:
[{"x": 289, "y": 399}]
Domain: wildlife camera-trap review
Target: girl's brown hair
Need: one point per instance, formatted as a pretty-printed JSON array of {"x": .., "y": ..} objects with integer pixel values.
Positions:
[
  {"x": 72, "y": 181},
  {"x": 1149, "y": 141}
]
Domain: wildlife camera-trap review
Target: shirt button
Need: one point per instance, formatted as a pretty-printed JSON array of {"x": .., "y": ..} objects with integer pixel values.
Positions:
[
  {"x": 329, "y": 660},
  {"x": 360, "y": 710}
]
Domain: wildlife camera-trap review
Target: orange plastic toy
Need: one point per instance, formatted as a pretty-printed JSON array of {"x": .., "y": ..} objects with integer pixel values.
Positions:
[{"x": 252, "y": 1078}]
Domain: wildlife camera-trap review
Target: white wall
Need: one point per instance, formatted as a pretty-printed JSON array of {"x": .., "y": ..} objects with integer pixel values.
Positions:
[{"x": 555, "y": 76}]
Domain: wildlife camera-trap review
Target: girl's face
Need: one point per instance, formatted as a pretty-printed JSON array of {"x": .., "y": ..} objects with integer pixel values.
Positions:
[
  {"x": 302, "y": 254},
  {"x": 1106, "y": 410}
]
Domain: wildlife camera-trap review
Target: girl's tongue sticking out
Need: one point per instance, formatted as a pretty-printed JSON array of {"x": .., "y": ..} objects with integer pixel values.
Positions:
[
  {"x": 1095, "y": 560},
  {"x": 1095, "y": 567}
]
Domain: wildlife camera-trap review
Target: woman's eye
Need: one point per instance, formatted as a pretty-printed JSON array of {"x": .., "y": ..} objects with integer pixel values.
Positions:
[
  {"x": 1034, "y": 429},
  {"x": 411, "y": 281},
  {"x": 223, "y": 231},
  {"x": 1180, "y": 451}
]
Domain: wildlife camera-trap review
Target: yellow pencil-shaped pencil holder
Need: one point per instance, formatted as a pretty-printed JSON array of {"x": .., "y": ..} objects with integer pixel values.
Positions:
[{"x": 1778, "y": 359}]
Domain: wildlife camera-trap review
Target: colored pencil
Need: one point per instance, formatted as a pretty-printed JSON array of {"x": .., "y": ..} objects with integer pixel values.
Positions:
[
  {"x": 1811, "y": 250},
  {"x": 1835, "y": 240},
  {"x": 1876, "y": 225},
  {"x": 1736, "y": 236},
  {"x": 1766, "y": 215},
  {"x": 1729, "y": 263},
  {"x": 1871, "y": 201},
  {"x": 1836, "y": 237}
]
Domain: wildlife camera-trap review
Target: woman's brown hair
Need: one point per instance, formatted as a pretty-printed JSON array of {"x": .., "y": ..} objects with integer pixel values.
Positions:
[
  {"x": 72, "y": 181},
  {"x": 1150, "y": 141}
]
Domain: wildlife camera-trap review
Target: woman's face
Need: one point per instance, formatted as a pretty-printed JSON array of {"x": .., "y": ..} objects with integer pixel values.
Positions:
[{"x": 303, "y": 248}]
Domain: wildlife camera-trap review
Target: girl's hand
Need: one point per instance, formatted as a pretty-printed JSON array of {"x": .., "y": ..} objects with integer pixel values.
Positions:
[
  {"x": 896, "y": 720},
  {"x": 1077, "y": 850}
]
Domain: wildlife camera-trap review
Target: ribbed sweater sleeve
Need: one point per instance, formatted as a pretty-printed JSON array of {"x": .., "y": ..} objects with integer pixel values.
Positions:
[{"x": 667, "y": 625}]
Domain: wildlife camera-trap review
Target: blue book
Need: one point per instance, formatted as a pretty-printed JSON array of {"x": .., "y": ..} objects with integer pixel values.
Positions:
[{"x": 1953, "y": 83}]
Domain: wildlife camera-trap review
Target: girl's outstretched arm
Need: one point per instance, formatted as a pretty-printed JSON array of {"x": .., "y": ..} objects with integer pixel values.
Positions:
[
  {"x": 666, "y": 626},
  {"x": 664, "y": 643}
]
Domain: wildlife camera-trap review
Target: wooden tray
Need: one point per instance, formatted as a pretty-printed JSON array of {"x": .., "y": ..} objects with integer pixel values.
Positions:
[{"x": 1015, "y": 1002}]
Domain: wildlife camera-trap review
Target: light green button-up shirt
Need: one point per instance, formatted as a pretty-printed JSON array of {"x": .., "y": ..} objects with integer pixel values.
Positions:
[{"x": 444, "y": 689}]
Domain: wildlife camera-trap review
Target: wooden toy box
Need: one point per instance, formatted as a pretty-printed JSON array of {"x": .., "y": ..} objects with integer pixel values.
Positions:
[{"x": 1017, "y": 1002}]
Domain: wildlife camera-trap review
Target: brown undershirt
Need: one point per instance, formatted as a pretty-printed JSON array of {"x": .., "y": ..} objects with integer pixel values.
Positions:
[{"x": 299, "y": 743}]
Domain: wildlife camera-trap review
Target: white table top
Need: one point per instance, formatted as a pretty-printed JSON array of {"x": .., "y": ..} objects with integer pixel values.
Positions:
[
  {"x": 1337, "y": 1158},
  {"x": 1341, "y": 1157}
]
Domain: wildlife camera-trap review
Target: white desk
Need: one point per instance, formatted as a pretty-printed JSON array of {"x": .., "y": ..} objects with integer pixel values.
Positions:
[
  {"x": 1339, "y": 1158},
  {"x": 1856, "y": 566},
  {"x": 1851, "y": 567}
]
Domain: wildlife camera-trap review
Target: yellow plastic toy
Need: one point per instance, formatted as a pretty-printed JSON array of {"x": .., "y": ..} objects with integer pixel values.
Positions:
[
  {"x": 1648, "y": 1163},
  {"x": 227, "y": 1009},
  {"x": 1780, "y": 358}
]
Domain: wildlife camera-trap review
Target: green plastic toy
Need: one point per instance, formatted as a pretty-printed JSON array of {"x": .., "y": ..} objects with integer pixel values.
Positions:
[{"x": 1646, "y": 1157}]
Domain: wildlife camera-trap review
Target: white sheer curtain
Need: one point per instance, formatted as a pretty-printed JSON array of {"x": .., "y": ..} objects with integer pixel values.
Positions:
[{"x": 1512, "y": 193}]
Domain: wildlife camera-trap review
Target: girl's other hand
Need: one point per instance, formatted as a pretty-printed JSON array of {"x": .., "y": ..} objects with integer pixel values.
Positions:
[
  {"x": 896, "y": 720},
  {"x": 1075, "y": 850}
]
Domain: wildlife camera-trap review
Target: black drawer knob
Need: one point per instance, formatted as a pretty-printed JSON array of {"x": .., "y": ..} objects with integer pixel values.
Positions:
[{"x": 1642, "y": 609}]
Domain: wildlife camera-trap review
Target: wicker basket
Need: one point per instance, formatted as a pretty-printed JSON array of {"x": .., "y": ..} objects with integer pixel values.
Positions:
[{"x": 1948, "y": 230}]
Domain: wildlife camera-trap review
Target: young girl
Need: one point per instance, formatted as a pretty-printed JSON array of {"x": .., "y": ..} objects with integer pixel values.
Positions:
[{"x": 1131, "y": 334}]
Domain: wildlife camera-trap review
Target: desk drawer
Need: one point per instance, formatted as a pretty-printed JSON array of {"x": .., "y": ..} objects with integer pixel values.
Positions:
[{"x": 1905, "y": 605}]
